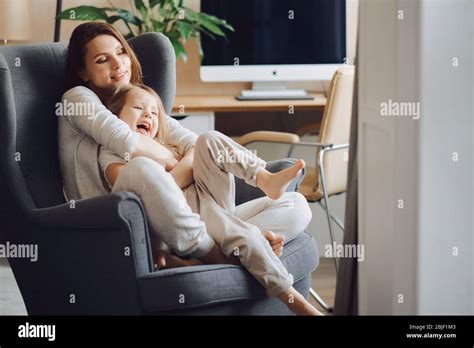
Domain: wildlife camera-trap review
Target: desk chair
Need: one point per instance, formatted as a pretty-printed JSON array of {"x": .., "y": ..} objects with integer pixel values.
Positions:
[{"x": 329, "y": 176}]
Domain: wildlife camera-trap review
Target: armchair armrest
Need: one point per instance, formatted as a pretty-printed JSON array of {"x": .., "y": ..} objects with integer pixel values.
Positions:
[
  {"x": 284, "y": 138},
  {"x": 268, "y": 136},
  {"x": 95, "y": 251},
  {"x": 121, "y": 212},
  {"x": 326, "y": 147},
  {"x": 97, "y": 212}
]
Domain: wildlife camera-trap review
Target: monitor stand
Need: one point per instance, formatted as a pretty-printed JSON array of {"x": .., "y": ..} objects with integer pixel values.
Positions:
[{"x": 273, "y": 91}]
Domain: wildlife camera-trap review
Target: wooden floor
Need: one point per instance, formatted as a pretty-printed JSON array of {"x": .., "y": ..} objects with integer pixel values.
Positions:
[
  {"x": 324, "y": 282},
  {"x": 11, "y": 303}
]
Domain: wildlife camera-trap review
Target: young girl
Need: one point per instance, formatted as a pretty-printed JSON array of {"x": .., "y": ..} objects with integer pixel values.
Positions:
[{"x": 213, "y": 192}]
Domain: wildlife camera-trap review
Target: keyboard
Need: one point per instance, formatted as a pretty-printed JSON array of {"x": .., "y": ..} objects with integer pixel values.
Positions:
[{"x": 251, "y": 94}]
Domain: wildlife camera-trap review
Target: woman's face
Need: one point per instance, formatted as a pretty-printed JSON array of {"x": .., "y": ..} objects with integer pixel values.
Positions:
[
  {"x": 140, "y": 112},
  {"x": 107, "y": 64}
]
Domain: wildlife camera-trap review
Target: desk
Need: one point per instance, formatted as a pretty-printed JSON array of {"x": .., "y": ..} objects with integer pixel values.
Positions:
[
  {"x": 227, "y": 103},
  {"x": 197, "y": 113}
]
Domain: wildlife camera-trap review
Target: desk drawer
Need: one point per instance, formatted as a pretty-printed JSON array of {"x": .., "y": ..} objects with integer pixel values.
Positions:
[{"x": 197, "y": 122}]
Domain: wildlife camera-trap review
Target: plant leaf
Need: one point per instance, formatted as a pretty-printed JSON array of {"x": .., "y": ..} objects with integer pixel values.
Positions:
[
  {"x": 128, "y": 17},
  {"x": 185, "y": 29},
  {"x": 201, "y": 52},
  {"x": 205, "y": 31},
  {"x": 139, "y": 4},
  {"x": 153, "y": 3},
  {"x": 190, "y": 14},
  {"x": 218, "y": 21},
  {"x": 83, "y": 13},
  {"x": 179, "y": 49},
  {"x": 209, "y": 24},
  {"x": 115, "y": 18},
  {"x": 129, "y": 36},
  {"x": 158, "y": 25}
]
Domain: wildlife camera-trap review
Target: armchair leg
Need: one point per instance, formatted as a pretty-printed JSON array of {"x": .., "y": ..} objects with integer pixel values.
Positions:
[{"x": 321, "y": 302}]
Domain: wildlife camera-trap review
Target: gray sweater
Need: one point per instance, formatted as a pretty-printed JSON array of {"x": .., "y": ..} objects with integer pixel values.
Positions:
[{"x": 84, "y": 125}]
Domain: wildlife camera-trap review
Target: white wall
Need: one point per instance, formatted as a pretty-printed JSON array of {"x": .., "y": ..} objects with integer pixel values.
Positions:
[
  {"x": 409, "y": 265},
  {"x": 445, "y": 283}
]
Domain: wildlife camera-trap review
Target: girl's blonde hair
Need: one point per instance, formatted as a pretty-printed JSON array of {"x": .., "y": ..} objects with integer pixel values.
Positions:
[{"x": 117, "y": 101}]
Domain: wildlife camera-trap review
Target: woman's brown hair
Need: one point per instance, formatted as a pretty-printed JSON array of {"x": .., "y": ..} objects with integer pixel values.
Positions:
[
  {"x": 76, "y": 52},
  {"x": 116, "y": 103}
]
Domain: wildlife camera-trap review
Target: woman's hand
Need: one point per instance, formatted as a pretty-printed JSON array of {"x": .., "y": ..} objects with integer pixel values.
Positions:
[
  {"x": 183, "y": 171},
  {"x": 167, "y": 163},
  {"x": 150, "y": 148},
  {"x": 170, "y": 164}
]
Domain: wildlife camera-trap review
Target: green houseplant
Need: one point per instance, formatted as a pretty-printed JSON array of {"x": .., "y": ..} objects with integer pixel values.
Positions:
[{"x": 169, "y": 17}]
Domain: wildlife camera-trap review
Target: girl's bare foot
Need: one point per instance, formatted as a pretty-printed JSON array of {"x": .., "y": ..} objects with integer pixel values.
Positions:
[
  {"x": 163, "y": 260},
  {"x": 297, "y": 303},
  {"x": 276, "y": 241},
  {"x": 275, "y": 184}
]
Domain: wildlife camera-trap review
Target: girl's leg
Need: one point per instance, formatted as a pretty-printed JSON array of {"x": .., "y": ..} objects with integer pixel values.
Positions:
[
  {"x": 169, "y": 217},
  {"x": 245, "y": 241},
  {"x": 216, "y": 158},
  {"x": 289, "y": 216},
  {"x": 216, "y": 155},
  {"x": 216, "y": 191},
  {"x": 226, "y": 155}
]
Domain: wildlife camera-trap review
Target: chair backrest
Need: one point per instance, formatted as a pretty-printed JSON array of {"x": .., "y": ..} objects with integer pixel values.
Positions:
[
  {"x": 335, "y": 129},
  {"x": 31, "y": 83}
]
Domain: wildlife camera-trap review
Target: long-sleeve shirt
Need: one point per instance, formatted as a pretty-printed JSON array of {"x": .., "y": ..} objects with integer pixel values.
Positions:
[{"x": 84, "y": 124}]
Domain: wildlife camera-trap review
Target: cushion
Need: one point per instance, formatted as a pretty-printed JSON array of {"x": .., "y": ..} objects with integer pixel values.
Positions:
[{"x": 188, "y": 287}]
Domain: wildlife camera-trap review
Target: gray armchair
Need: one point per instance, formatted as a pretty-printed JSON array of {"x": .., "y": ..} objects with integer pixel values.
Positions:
[{"x": 82, "y": 266}]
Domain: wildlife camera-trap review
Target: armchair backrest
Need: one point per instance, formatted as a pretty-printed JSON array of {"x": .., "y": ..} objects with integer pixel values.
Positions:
[
  {"x": 335, "y": 129},
  {"x": 31, "y": 83}
]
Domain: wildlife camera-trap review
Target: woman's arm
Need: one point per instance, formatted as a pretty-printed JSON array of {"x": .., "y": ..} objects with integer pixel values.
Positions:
[
  {"x": 86, "y": 114},
  {"x": 91, "y": 117},
  {"x": 183, "y": 171}
]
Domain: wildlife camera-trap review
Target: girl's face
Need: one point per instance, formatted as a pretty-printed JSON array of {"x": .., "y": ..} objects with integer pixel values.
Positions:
[
  {"x": 107, "y": 65},
  {"x": 140, "y": 112}
]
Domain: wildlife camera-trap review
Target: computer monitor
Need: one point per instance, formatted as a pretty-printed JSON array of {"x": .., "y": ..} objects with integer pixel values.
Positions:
[{"x": 275, "y": 40}]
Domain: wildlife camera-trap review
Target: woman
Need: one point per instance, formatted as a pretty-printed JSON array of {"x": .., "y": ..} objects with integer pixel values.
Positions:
[{"x": 100, "y": 60}]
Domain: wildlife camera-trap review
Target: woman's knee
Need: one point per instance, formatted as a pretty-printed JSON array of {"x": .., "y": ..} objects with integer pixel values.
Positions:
[{"x": 302, "y": 214}]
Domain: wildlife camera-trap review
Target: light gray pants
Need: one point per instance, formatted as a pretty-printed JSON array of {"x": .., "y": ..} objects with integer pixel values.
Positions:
[{"x": 173, "y": 214}]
